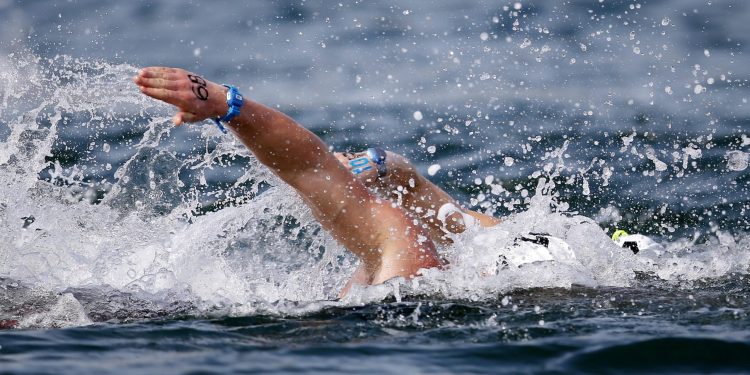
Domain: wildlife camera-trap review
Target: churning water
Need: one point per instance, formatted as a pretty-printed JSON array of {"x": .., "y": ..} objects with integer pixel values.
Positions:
[{"x": 171, "y": 250}]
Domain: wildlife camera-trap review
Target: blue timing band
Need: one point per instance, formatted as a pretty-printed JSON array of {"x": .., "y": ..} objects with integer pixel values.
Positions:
[{"x": 235, "y": 102}]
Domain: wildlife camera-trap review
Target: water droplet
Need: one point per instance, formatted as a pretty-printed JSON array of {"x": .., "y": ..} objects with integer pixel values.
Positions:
[
  {"x": 737, "y": 160},
  {"x": 433, "y": 169},
  {"x": 418, "y": 115},
  {"x": 665, "y": 21},
  {"x": 431, "y": 149}
]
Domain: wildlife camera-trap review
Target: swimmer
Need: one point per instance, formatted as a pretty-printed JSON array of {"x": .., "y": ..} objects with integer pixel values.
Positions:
[{"x": 386, "y": 238}]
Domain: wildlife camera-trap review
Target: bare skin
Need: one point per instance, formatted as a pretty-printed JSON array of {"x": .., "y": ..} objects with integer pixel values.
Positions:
[
  {"x": 385, "y": 239},
  {"x": 415, "y": 193}
]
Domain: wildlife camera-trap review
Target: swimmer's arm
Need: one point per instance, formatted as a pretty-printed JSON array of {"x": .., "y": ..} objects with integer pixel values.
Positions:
[
  {"x": 425, "y": 198},
  {"x": 366, "y": 226}
]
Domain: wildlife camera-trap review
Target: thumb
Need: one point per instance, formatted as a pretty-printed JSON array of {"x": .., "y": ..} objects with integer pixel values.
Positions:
[{"x": 183, "y": 117}]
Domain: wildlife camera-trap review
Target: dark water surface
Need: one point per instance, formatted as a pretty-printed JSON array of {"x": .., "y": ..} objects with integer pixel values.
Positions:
[
  {"x": 584, "y": 330},
  {"x": 130, "y": 247}
]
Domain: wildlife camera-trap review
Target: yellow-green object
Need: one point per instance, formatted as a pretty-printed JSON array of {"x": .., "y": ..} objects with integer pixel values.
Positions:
[{"x": 618, "y": 233}]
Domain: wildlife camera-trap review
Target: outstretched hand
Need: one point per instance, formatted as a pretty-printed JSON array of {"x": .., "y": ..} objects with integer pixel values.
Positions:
[{"x": 195, "y": 97}]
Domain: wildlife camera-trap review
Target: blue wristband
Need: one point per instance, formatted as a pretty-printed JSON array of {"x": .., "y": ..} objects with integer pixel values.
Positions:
[{"x": 235, "y": 102}]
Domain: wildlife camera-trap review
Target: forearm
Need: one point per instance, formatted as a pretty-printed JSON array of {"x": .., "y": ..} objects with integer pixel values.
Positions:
[
  {"x": 416, "y": 191},
  {"x": 278, "y": 141},
  {"x": 425, "y": 199},
  {"x": 420, "y": 196}
]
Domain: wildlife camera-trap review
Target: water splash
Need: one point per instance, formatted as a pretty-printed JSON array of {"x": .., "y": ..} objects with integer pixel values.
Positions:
[{"x": 100, "y": 194}]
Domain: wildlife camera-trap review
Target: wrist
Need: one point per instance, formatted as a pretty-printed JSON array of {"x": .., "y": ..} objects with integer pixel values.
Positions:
[
  {"x": 234, "y": 103},
  {"x": 219, "y": 106}
]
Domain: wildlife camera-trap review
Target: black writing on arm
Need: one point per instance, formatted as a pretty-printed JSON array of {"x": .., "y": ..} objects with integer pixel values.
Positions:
[{"x": 199, "y": 87}]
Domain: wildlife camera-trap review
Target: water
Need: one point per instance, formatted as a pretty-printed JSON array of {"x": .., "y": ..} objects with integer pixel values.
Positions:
[{"x": 154, "y": 249}]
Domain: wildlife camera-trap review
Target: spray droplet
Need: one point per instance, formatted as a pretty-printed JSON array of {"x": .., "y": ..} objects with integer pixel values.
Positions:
[
  {"x": 665, "y": 21},
  {"x": 433, "y": 169},
  {"x": 418, "y": 115},
  {"x": 737, "y": 160}
]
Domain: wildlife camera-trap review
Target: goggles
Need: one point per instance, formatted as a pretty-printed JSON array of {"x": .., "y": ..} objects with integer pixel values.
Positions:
[{"x": 378, "y": 155}]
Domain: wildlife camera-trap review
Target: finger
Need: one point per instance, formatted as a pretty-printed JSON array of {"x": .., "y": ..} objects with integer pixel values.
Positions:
[
  {"x": 189, "y": 117},
  {"x": 165, "y": 95},
  {"x": 158, "y": 72},
  {"x": 184, "y": 117},
  {"x": 158, "y": 83}
]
